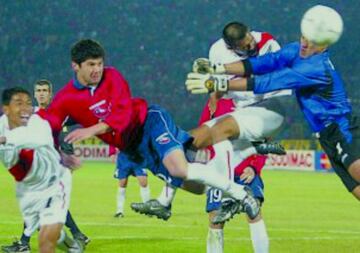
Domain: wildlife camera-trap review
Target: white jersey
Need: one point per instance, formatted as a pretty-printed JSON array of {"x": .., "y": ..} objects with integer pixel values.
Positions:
[
  {"x": 32, "y": 144},
  {"x": 220, "y": 53}
]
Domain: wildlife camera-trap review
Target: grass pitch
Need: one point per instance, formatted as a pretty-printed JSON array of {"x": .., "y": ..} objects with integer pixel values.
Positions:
[{"x": 303, "y": 211}]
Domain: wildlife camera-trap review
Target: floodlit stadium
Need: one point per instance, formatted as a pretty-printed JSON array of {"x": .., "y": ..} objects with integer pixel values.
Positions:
[{"x": 154, "y": 45}]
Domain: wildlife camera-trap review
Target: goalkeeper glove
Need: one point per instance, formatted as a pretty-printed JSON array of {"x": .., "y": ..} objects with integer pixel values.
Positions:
[
  {"x": 205, "y": 83},
  {"x": 204, "y": 66}
]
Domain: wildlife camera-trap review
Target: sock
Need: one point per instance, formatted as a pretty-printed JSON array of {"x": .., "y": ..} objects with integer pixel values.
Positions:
[
  {"x": 65, "y": 242},
  {"x": 145, "y": 193},
  {"x": 25, "y": 239},
  {"x": 248, "y": 152},
  {"x": 215, "y": 241},
  {"x": 26, "y": 235},
  {"x": 121, "y": 199},
  {"x": 208, "y": 175},
  {"x": 70, "y": 223},
  {"x": 167, "y": 195},
  {"x": 259, "y": 237}
]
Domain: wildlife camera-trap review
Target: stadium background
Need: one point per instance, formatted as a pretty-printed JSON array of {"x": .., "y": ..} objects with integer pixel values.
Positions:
[{"x": 154, "y": 42}]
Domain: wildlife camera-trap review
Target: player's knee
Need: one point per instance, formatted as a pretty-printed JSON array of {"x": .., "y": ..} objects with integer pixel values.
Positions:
[
  {"x": 143, "y": 181},
  {"x": 356, "y": 192},
  {"x": 227, "y": 128},
  {"x": 123, "y": 183},
  {"x": 354, "y": 170},
  {"x": 48, "y": 239}
]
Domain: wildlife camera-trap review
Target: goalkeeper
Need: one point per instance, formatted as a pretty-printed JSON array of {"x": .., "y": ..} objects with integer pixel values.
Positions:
[{"x": 306, "y": 68}]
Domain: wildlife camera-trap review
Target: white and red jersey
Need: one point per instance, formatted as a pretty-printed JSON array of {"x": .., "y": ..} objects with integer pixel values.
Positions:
[
  {"x": 220, "y": 53},
  {"x": 30, "y": 156}
]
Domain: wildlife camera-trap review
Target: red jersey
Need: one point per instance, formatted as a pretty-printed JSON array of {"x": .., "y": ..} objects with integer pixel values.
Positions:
[
  {"x": 223, "y": 106},
  {"x": 110, "y": 102}
]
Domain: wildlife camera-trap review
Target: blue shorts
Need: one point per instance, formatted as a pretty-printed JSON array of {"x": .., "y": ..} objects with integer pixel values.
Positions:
[
  {"x": 126, "y": 168},
  {"x": 214, "y": 196},
  {"x": 160, "y": 137}
]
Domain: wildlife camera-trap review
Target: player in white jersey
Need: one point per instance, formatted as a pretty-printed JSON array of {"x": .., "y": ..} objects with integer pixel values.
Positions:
[
  {"x": 43, "y": 185},
  {"x": 237, "y": 43},
  {"x": 256, "y": 123}
]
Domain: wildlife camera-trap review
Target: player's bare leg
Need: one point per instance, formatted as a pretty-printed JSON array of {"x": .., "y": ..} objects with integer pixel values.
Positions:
[
  {"x": 48, "y": 236},
  {"x": 225, "y": 128},
  {"x": 354, "y": 170},
  {"x": 356, "y": 192}
]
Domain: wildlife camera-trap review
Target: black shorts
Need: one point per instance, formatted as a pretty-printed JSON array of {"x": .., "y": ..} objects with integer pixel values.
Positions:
[{"x": 340, "y": 152}]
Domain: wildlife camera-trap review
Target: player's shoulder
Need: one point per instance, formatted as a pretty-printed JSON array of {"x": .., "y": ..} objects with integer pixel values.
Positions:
[
  {"x": 262, "y": 36},
  {"x": 112, "y": 72},
  {"x": 219, "y": 45}
]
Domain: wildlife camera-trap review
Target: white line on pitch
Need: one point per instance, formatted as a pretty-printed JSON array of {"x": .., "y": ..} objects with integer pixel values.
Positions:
[{"x": 119, "y": 224}]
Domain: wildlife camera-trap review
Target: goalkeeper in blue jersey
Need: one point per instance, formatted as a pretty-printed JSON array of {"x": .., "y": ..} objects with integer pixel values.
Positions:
[{"x": 306, "y": 68}]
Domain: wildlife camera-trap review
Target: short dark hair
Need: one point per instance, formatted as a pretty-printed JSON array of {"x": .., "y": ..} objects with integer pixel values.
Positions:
[
  {"x": 86, "y": 49},
  {"x": 7, "y": 94},
  {"x": 234, "y": 32},
  {"x": 43, "y": 82}
]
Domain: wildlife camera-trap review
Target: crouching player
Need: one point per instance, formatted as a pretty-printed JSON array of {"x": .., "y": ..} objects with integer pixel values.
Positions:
[{"x": 43, "y": 185}]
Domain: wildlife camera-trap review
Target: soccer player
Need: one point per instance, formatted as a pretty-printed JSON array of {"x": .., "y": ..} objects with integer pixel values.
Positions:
[
  {"x": 256, "y": 118},
  {"x": 246, "y": 172},
  {"x": 43, "y": 185},
  {"x": 122, "y": 174},
  {"x": 43, "y": 94},
  {"x": 259, "y": 116},
  {"x": 146, "y": 135},
  {"x": 306, "y": 68}
]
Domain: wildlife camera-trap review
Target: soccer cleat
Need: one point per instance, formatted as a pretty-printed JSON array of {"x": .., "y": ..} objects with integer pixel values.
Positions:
[
  {"x": 119, "y": 215},
  {"x": 82, "y": 238},
  {"x": 152, "y": 208},
  {"x": 16, "y": 247},
  {"x": 77, "y": 247},
  {"x": 265, "y": 148},
  {"x": 250, "y": 206},
  {"x": 229, "y": 207}
]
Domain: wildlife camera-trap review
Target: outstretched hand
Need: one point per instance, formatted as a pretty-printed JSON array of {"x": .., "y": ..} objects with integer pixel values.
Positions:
[{"x": 205, "y": 83}]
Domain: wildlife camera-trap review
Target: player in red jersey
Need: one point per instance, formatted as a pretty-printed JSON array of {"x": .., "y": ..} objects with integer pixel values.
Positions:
[{"x": 99, "y": 99}]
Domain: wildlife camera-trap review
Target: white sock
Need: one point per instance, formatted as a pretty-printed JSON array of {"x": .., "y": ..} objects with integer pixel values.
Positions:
[
  {"x": 167, "y": 195},
  {"x": 121, "y": 199},
  {"x": 248, "y": 152},
  {"x": 207, "y": 174},
  {"x": 259, "y": 237},
  {"x": 145, "y": 193},
  {"x": 215, "y": 241}
]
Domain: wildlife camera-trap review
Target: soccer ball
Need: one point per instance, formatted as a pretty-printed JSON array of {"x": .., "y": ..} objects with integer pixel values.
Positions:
[{"x": 322, "y": 25}]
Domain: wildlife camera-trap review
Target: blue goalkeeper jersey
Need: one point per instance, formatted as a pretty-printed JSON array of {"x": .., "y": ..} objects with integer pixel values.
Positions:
[{"x": 318, "y": 87}]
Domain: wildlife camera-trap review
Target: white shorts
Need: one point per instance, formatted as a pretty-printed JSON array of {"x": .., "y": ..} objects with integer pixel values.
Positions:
[
  {"x": 47, "y": 207},
  {"x": 255, "y": 123}
]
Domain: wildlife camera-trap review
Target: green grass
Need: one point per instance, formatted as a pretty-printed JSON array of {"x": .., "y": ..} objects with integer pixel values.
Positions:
[{"x": 304, "y": 212}]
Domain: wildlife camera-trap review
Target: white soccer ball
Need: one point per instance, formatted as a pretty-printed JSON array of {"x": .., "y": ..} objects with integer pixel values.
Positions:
[{"x": 322, "y": 25}]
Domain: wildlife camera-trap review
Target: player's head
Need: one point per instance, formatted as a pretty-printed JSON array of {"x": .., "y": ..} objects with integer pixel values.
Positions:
[
  {"x": 87, "y": 58},
  {"x": 321, "y": 26},
  {"x": 43, "y": 92},
  {"x": 17, "y": 106},
  {"x": 239, "y": 39}
]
